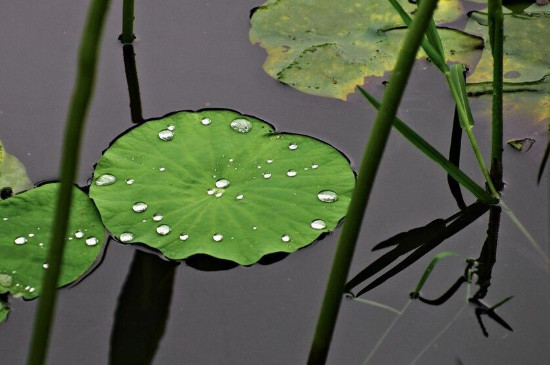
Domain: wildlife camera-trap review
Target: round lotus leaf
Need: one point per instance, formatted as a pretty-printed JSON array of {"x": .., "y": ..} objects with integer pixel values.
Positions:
[
  {"x": 26, "y": 223},
  {"x": 220, "y": 183}
]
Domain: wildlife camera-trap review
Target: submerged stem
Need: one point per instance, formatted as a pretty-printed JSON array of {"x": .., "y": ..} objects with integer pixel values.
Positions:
[
  {"x": 87, "y": 59},
  {"x": 365, "y": 180}
]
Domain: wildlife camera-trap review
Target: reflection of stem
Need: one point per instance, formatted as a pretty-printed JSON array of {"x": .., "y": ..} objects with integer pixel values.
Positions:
[
  {"x": 76, "y": 116},
  {"x": 133, "y": 83},
  {"x": 142, "y": 310},
  {"x": 487, "y": 257},
  {"x": 496, "y": 35},
  {"x": 386, "y": 332}
]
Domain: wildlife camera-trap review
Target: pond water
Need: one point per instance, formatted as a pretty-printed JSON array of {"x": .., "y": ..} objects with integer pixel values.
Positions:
[{"x": 197, "y": 55}]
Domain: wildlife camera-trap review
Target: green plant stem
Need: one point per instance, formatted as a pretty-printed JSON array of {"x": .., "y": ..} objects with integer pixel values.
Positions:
[
  {"x": 365, "y": 180},
  {"x": 80, "y": 100},
  {"x": 464, "y": 113},
  {"x": 496, "y": 34},
  {"x": 127, "y": 22}
]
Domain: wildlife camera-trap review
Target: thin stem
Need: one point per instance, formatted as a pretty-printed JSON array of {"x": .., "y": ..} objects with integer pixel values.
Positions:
[
  {"x": 78, "y": 108},
  {"x": 496, "y": 34},
  {"x": 127, "y": 22},
  {"x": 365, "y": 180}
]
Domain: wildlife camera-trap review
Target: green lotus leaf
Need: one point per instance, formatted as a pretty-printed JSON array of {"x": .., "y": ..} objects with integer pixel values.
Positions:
[
  {"x": 526, "y": 47},
  {"x": 327, "y": 48},
  {"x": 220, "y": 183},
  {"x": 25, "y": 229},
  {"x": 12, "y": 173}
]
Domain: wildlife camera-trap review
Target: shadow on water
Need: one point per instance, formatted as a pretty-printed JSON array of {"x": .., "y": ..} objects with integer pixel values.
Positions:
[{"x": 142, "y": 310}]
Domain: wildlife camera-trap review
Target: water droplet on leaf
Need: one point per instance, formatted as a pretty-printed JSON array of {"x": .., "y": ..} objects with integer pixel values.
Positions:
[
  {"x": 285, "y": 238},
  {"x": 217, "y": 237},
  {"x": 130, "y": 181},
  {"x": 163, "y": 230},
  {"x": 166, "y": 135},
  {"x": 292, "y": 146},
  {"x": 79, "y": 234},
  {"x": 267, "y": 175},
  {"x": 92, "y": 241},
  {"x": 184, "y": 237},
  {"x": 126, "y": 237},
  {"x": 139, "y": 207},
  {"x": 20, "y": 240},
  {"x": 291, "y": 173},
  {"x": 222, "y": 183},
  {"x": 327, "y": 196},
  {"x": 105, "y": 179},
  {"x": 318, "y": 224},
  {"x": 157, "y": 217},
  {"x": 206, "y": 121},
  {"x": 241, "y": 125},
  {"x": 240, "y": 197}
]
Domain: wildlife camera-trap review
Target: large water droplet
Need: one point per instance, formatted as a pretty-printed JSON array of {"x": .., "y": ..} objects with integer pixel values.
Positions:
[
  {"x": 20, "y": 241},
  {"x": 327, "y": 196},
  {"x": 163, "y": 230},
  {"x": 241, "y": 125},
  {"x": 285, "y": 238},
  {"x": 184, "y": 237},
  {"x": 139, "y": 207},
  {"x": 92, "y": 241},
  {"x": 222, "y": 183},
  {"x": 166, "y": 135},
  {"x": 6, "y": 280},
  {"x": 79, "y": 234},
  {"x": 206, "y": 121},
  {"x": 45, "y": 265},
  {"x": 105, "y": 179},
  {"x": 291, "y": 173},
  {"x": 318, "y": 224},
  {"x": 267, "y": 175},
  {"x": 158, "y": 217},
  {"x": 292, "y": 146},
  {"x": 126, "y": 237},
  {"x": 217, "y": 237}
]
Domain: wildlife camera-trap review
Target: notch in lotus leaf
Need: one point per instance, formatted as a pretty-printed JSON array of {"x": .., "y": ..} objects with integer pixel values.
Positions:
[
  {"x": 220, "y": 183},
  {"x": 25, "y": 233}
]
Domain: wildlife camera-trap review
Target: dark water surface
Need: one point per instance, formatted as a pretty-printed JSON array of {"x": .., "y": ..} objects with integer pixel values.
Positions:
[{"x": 197, "y": 55}]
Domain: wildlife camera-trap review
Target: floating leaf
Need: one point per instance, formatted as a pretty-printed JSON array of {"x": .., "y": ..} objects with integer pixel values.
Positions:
[
  {"x": 12, "y": 173},
  {"x": 327, "y": 48},
  {"x": 522, "y": 144},
  {"x": 4, "y": 309},
  {"x": 25, "y": 231},
  {"x": 220, "y": 183},
  {"x": 526, "y": 47}
]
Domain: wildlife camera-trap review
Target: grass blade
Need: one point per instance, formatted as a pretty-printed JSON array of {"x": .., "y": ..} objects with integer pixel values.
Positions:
[
  {"x": 367, "y": 173},
  {"x": 435, "y": 155},
  {"x": 430, "y": 268}
]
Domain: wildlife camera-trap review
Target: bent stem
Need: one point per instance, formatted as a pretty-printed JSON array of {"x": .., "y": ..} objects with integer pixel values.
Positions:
[
  {"x": 87, "y": 59},
  {"x": 365, "y": 180}
]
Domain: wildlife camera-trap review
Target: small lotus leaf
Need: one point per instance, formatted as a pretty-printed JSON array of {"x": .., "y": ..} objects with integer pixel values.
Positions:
[
  {"x": 12, "y": 173},
  {"x": 4, "y": 310},
  {"x": 220, "y": 183},
  {"x": 25, "y": 229},
  {"x": 526, "y": 47},
  {"x": 328, "y": 47}
]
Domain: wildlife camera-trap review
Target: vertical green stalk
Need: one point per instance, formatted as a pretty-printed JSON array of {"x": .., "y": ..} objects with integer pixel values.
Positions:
[
  {"x": 365, "y": 180},
  {"x": 80, "y": 100},
  {"x": 496, "y": 35},
  {"x": 127, "y": 22}
]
